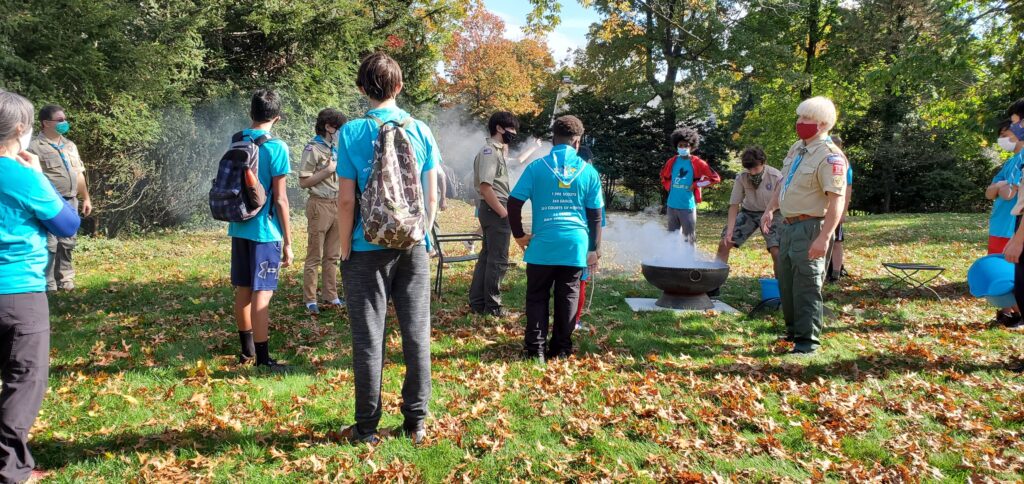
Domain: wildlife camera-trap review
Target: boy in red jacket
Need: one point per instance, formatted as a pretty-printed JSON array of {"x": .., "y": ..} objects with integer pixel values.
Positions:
[{"x": 683, "y": 177}]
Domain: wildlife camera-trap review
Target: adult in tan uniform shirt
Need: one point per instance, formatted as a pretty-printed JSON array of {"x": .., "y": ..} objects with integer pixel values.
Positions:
[
  {"x": 62, "y": 165},
  {"x": 811, "y": 203},
  {"x": 318, "y": 175}
]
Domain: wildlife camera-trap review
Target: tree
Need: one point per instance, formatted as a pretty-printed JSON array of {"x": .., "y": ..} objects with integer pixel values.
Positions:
[{"x": 487, "y": 72}]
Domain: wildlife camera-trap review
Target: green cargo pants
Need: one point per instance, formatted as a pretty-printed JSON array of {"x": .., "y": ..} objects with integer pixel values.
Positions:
[{"x": 800, "y": 281}]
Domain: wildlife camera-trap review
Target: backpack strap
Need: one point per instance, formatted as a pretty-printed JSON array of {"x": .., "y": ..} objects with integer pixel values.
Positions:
[
  {"x": 262, "y": 139},
  {"x": 404, "y": 124},
  {"x": 237, "y": 137}
]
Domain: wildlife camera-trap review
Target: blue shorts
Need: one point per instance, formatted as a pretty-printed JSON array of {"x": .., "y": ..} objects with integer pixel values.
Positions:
[{"x": 255, "y": 264}]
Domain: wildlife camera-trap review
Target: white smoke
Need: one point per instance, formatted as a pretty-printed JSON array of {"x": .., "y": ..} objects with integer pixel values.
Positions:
[{"x": 631, "y": 240}]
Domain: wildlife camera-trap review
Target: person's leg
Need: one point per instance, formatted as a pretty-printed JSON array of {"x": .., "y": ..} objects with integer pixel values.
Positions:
[
  {"x": 410, "y": 293},
  {"x": 567, "y": 294},
  {"x": 64, "y": 269},
  {"x": 538, "y": 292},
  {"x": 266, "y": 265},
  {"x": 332, "y": 253},
  {"x": 314, "y": 251},
  {"x": 499, "y": 235},
  {"x": 724, "y": 248},
  {"x": 477, "y": 300},
  {"x": 774, "y": 251},
  {"x": 366, "y": 277},
  {"x": 51, "y": 271},
  {"x": 241, "y": 279},
  {"x": 674, "y": 221},
  {"x": 838, "y": 257},
  {"x": 808, "y": 277},
  {"x": 771, "y": 241},
  {"x": 24, "y": 350},
  {"x": 785, "y": 276},
  {"x": 688, "y": 225}
]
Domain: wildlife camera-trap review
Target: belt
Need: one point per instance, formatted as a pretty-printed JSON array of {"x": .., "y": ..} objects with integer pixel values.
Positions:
[
  {"x": 329, "y": 199},
  {"x": 799, "y": 218}
]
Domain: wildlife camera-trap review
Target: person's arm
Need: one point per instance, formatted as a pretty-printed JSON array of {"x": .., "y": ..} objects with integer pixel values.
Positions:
[
  {"x": 769, "y": 211},
  {"x": 992, "y": 191},
  {"x": 279, "y": 187},
  {"x": 819, "y": 247},
  {"x": 442, "y": 190},
  {"x": 525, "y": 156},
  {"x": 431, "y": 197},
  {"x": 846, "y": 202},
  {"x": 312, "y": 180},
  {"x": 487, "y": 192},
  {"x": 83, "y": 193},
  {"x": 594, "y": 231},
  {"x": 346, "y": 214},
  {"x": 730, "y": 226},
  {"x": 515, "y": 222}
]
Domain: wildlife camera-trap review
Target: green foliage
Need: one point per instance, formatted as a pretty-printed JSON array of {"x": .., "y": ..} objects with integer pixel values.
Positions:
[{"x": 154, "y": 89}]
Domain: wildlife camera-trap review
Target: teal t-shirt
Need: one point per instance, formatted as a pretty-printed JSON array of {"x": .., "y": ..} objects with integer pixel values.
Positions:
[
  {"x": 680, "y": 195},
  {"x": 355, "y": 156},
  {"x": 273, "y": 163},
  {"x": 1001, "y": 222},
  {"x": 561, "y": 186},
  {"x": 26, "y": 199}
]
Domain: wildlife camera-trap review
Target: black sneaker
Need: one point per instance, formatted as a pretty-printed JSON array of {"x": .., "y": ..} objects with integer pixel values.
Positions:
[
  {"x": 801, "y": 353},
  {"x": 352, "y": 435},
  {"x": 496, "y": 312},
  {"x": 417, "y": 436},
  {"x": 1014, "y": 323},
  {"x": 274, "y": 366}
]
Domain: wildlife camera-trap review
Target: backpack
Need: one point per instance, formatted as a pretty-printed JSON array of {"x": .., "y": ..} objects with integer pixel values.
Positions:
[
  {"x": 392, "y": 205},
  {"x": 237, "y": 194}
]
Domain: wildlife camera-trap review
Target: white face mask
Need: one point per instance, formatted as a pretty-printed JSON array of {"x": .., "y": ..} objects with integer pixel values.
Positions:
[
  {"x": 1005, "y": 143},
  {"x": 25, "y": 140}
]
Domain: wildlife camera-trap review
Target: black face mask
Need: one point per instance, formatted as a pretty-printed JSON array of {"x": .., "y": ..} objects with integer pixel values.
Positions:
[{"x": 508, "y": 137}]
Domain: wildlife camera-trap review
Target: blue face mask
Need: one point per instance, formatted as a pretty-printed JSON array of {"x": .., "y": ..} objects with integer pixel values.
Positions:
[
  {"x": 684, "y": 152},
  {"x": 62, "y": 127}
]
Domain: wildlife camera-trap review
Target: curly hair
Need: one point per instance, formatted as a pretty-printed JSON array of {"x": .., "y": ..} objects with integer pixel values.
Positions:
[
  {"x": 566, "y": 128},
  {"x": 688, "y": 135}
]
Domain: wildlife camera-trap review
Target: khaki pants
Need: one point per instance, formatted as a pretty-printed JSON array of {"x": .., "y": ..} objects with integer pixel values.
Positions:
[
  {"x": 60, "y": 273},
  {"x": 323, "y": 248}
]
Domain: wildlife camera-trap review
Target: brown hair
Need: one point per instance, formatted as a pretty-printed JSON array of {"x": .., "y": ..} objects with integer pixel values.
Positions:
[
  {"x": 379, "y": 76},
  {"x": 753, "y": 155},
  {"x": 565, "y": 129}
]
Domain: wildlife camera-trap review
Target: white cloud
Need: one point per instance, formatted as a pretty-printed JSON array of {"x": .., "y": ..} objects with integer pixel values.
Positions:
[{"x": 560, "y": 44}]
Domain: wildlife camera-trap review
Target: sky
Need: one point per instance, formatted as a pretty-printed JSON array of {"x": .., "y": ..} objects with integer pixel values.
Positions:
[{"x": 570, "y": 34}]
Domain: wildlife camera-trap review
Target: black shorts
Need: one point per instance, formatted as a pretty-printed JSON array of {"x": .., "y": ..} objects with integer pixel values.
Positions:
[
  {"x": 255, "y": 264},
  {"x": 839, "y": 233}
]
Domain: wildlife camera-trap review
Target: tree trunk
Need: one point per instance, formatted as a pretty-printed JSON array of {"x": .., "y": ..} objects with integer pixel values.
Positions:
[{"x": 811, "y": 49}]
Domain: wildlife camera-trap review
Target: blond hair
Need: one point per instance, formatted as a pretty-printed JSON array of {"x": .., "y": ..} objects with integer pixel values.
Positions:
[{"x": 820, "y": 109}]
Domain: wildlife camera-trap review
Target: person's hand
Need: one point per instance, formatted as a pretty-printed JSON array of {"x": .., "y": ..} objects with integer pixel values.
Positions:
[
  {"x": 1013, "y": 250},
  {"x": 502, "y": 212},
  {"x": 727, "y": 237},
  {"x": 87, "y": 207},
  {"x": 818, "y": 248},
  {"x": 443, "y": 204},
  {"x": 766, "y": 221},
  {"x": 524, "y": 241},
  {"x": 592, "y": 258},
  {"x": 1007, "y": 191},
  {"x": 286, "y": 255},
  {"x": 703, "y": 182},
  {"x": 29, "y": 160},
  {"x": 346, "y": 250},
  {"x": 332, "y": 166}
]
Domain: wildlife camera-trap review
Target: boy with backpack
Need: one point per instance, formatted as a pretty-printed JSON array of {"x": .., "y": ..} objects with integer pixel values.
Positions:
[
  {"x": 567, "y": 211},
  {"x": 250, "y": 192},
  {"x": 387, "y": 167},
  {"x": 319, "y": 175}
]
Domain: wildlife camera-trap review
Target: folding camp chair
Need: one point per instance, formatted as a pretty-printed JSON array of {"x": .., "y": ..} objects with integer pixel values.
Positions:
[
  {"x": 439, "y": 240},
  {"x": 913, "y": 275}
]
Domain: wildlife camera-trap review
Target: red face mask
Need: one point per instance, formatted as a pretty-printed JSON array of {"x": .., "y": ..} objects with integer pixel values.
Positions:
[{"x": 806, "y": 130}]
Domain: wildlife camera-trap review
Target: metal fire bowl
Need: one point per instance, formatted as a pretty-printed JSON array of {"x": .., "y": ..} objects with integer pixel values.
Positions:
[{"x": 685, "y": 288}]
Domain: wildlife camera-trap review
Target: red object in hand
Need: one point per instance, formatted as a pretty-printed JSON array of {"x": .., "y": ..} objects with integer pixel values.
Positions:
[{"x": 583, "y": 300}]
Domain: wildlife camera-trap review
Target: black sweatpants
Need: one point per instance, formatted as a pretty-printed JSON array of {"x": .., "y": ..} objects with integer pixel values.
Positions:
[
  {"x": 25, "y": 353},
  {"x": 539, "y": 282},
  {"x": 1018, "y": 273}
]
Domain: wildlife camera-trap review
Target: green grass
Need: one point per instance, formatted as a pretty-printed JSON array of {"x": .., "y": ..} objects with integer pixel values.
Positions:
[{"x": 143, "y": 383}]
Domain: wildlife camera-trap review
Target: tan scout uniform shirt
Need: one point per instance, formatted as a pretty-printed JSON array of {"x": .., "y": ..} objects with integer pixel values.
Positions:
[
  {"x": 315, "y": 157},
  {"x": 755, "y": 199},
  {"x": 61, "y": 171},
  {"x": 490, "y": 167},
  {"x": 821, "y": 169}
]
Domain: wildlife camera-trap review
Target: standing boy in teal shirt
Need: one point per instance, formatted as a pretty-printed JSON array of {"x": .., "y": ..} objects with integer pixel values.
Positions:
[
  {"x": 567, "y": 208},
  {"x": 257, "y": 244}
]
